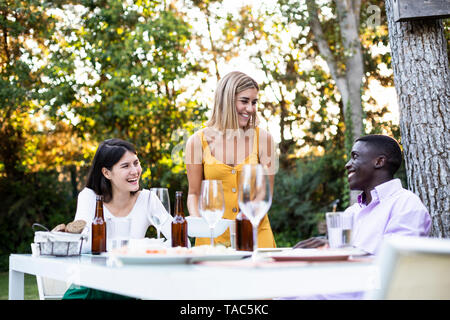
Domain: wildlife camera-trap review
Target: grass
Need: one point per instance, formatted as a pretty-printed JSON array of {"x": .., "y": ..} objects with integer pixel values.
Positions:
[{"x": 30, "y": 293}]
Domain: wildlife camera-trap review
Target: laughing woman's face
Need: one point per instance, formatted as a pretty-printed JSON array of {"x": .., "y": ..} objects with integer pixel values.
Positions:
[
  {"x": 246, "y": 105},
  {"x": 125, "y": 174}
]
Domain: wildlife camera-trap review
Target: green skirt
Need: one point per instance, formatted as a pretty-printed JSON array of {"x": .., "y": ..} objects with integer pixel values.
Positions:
[{"x": 84, "y": 293}]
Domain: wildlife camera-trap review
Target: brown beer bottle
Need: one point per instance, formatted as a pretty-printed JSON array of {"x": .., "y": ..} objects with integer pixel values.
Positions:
[
  {"x": 98, "y": 236},
  {"x": 179, "y": 223},
  {"x": 244, "y": 233}
]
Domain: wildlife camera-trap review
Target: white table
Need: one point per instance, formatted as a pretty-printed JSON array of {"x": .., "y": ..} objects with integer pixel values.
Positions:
[{"x": 195, "y": 281}]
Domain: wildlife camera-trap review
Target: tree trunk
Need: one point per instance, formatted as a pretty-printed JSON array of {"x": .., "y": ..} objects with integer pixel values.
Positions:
[
  {"x": 422, "y": 82},
  {"x": 348, "y": 81},
  {"x": 348, "y": 17}
]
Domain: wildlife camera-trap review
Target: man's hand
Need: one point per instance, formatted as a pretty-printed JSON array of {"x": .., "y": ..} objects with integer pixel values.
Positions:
[{"x": 312, "y": 243}]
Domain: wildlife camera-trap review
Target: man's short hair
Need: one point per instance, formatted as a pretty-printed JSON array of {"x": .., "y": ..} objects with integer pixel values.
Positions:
[{"x": 387, "y": 146}]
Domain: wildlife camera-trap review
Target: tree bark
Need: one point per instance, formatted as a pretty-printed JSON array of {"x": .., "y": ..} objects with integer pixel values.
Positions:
[
  {"x": 348, "y": 17},
  {"x": 422, "y": 81}
]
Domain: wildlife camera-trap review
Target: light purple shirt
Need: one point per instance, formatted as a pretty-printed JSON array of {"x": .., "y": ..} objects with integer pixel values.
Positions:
[{"x": 393, "y": 210}]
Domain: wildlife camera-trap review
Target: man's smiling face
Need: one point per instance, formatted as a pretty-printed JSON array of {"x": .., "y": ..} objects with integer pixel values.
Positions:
[{"x": 360, "y": 167}]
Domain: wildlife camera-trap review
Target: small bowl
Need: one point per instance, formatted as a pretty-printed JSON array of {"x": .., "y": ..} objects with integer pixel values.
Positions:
[{"x": 197, "y": 227}]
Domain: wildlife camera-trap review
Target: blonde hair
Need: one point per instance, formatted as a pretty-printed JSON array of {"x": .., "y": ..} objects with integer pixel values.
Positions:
[{"x": 224, "y": 115}]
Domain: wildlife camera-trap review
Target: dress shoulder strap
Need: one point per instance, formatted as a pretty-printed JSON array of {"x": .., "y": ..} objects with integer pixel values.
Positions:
[
  {"x": 256, "y": 143},
  {"x": 205, "y": 146}
]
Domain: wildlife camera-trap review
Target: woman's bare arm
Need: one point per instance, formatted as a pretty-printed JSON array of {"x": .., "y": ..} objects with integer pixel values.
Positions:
[{"x": 194, "y": 168}]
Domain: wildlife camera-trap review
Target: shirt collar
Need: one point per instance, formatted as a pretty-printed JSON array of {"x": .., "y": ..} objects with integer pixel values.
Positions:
[
  {"x": 381, "y": 191},
  {"x": 360, "y": 200}
]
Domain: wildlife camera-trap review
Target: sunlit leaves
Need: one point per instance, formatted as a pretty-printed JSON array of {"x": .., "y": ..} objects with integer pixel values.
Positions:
[
  {"x": 24, "y": 28},
  {"x": 123, "y": 75}
]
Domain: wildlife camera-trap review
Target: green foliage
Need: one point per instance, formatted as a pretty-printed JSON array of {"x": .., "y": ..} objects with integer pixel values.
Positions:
[
  {"x": 20, "y": 83},
  {"x": 286, "y": 238},
  {"x": 134, "y": 55},
  {"x": 302, "y": 195},
  {"x": 39, "y": 197},
  {"x": 292, "y": 205}
]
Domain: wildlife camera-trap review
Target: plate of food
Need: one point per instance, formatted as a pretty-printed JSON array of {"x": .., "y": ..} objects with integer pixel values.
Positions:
[
  {"x": 217, "y": 253},
  {"x": 323, "y": 254},
  {"x": 178, "y": 255}
]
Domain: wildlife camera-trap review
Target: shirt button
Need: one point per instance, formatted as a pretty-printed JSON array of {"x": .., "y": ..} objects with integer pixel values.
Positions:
[
  {"x": 233, "y": 189},
  {"x": 234, "y": 209},
  {"x": 233, "y": 171}
]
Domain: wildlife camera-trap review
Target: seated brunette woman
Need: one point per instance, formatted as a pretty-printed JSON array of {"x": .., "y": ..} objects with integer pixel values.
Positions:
[{"x": 115, "y": 174}]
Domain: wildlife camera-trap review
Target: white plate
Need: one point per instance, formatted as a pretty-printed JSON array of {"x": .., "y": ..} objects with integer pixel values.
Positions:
[
  {"x": 102, "y": 254},
  {"x": 267, "y": 250},
  {"x": 316, "y": 254},
  {"x": 221, "y": 257},
  {"x": 180, "y": 258},
  {"x": 197, "y": 227}
]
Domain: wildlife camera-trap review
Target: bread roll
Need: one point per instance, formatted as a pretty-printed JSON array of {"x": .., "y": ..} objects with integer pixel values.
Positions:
[{"x": 60, "y": 228}]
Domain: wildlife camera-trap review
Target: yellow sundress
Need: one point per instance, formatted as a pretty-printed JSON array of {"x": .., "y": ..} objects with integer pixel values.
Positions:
[{"x": 214, "y": 169}]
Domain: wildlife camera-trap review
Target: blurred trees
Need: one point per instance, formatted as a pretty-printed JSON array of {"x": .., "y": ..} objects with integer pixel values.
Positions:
[
  {"x": 118, "y": 73},
  {"x": 27, "y": 195},
  {"x": 341, "y": 49},
  {"x": 22, "y": 24}
]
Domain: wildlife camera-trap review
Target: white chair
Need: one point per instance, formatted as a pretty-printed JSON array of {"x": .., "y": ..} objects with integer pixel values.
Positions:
[
  {"x": 49, "y": 289},
  {"x": 413, "y": 268}
]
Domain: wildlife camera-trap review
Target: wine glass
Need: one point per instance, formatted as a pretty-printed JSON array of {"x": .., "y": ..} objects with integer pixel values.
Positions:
[
  {"x": 255, "y": 196},
  {"x": 211, "y": 203},
  {"x": 156, "y": 214}
]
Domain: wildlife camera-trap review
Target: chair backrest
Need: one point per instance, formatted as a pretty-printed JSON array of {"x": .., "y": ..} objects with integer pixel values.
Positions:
[
  {"x": 49, "y": 289},
  {"x": 414, "y": 268}
]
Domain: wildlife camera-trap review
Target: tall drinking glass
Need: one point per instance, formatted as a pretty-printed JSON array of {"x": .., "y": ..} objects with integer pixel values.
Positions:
[
  {"x": 118, "y": 232},
  {"x": 156, "y": 215},
  {"x": 255, "y": 196},
  {"x": 211, "y": 203}
]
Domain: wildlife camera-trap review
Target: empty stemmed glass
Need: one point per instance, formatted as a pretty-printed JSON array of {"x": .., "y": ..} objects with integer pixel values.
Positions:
[
  {"x": 156, "y": 215},
  {"x": 255, "y": 196},
  {"x": 211, "y": 203}
]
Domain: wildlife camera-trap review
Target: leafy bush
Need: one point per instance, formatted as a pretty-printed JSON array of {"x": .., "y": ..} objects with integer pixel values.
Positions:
[
  {"x": 302, "y": 196},
  {"x": 37, "y": 197}
]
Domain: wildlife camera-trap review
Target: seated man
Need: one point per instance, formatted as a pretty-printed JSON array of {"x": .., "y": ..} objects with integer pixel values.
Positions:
[{"x": 384, "y": 207}]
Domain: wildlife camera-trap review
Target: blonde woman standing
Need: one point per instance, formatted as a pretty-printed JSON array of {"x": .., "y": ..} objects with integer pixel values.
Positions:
[{"x": 230, "y": 139}]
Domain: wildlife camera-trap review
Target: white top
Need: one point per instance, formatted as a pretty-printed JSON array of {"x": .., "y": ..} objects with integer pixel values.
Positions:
[{"x": 138, "y": 216}]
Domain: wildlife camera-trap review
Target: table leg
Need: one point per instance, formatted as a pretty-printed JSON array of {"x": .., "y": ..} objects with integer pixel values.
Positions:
[{"x": 16, "y": 285}]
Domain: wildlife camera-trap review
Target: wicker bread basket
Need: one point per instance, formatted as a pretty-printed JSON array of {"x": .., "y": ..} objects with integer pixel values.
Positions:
[{"x": 59, "y": 244}]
